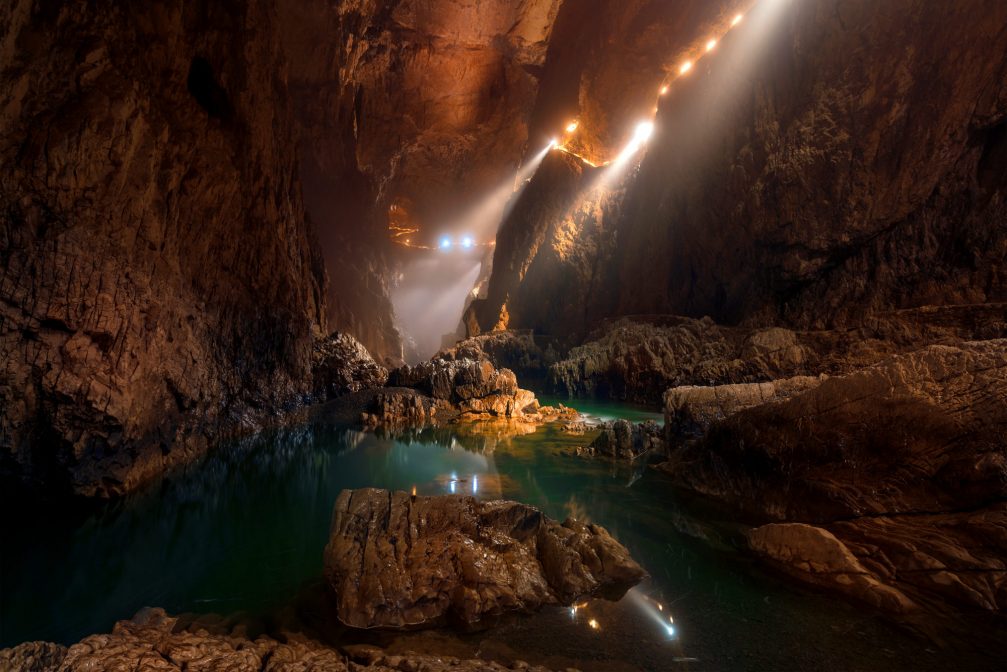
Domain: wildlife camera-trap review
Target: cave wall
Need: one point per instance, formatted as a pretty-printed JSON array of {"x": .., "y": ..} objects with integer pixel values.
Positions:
[
  {"x": 159, "y": 282},
  {"x": 830, "y": 160}
]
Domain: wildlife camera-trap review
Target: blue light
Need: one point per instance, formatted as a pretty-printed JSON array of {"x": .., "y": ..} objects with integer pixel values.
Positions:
[
  {"x": 445, "y": 243},
  {"x": 467, "y": 241}
]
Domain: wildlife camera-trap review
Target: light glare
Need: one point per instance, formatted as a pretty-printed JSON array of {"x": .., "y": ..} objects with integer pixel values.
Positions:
[
  {"x": 643, "y": 131},
  {"x": 445, "y": 243},
  {"x": 572, "y": 126},
  {"x": 710, "y": 45},
  {"x": 685, "y": 67},
  {"x": 664, "y": 89},
  {"x": 467, "y": 241},
  {"x": 736, "y": 20}
]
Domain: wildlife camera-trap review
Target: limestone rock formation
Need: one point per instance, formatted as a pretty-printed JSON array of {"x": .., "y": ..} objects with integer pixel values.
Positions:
[
  {"x": 622, "y": 440},
  {"x": 341, "y": 365},
  {"x": 689, "y": 410},
  {"x": 158, "y": 281},
  {"x": 781, "y": 187},
  {"x": 151, "y": 641},
  {"x": 903, "y": 463},
  {"x": 394, "y": 560}
]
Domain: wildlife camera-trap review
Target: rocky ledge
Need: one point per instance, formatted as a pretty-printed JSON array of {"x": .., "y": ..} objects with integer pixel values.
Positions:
[
  {"x": 153, "y": 641},
  {"x": 888, "y": 484},
  {"x": 395, "y": 561}
]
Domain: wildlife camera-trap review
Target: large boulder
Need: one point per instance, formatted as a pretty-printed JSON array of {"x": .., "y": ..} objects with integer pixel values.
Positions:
[
  {"x": 394, "y": 560},
  {"x": 341, "y": 365},
  {"x": 623, "y": 440}
]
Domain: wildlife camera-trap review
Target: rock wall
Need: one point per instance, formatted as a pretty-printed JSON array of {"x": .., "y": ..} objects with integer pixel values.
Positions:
[
  {"x": 159, "y": 283},
  {"x": 828, "y": 161}
]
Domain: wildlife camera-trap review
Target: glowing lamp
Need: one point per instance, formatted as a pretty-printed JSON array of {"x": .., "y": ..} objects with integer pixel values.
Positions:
[
  {"x": 664, "y": 90},
  {"x": 593, "y": 623},
  {"x": 643, "y": 131},
  {"x": 445, "y": 243},
  {"x": 572, "y": 126},
  {"x": 671, "y": 630},
  {"x": 553, "y": 143},
  {"x": 736, "y": 20},
  {"x": 710, "y": 45},
  {"x": 685, "y": 67},
  {"x": 467, "y": 242}
]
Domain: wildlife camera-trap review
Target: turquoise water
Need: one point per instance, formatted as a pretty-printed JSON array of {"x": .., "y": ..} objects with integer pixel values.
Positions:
[{"x": 243, "y": 531}]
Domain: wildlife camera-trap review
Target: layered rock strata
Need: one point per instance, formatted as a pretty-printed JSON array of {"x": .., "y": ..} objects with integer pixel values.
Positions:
[
  {"x": 393, "y": 560},
  {"x": 899, "y": 468}
]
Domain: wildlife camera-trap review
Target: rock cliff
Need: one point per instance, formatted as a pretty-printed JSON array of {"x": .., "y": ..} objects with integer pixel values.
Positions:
[{"x": 159, "y": 283}]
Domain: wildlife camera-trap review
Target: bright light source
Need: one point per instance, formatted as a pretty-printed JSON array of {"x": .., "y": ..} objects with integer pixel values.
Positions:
[
  {"x": 445, "y": 243},
  {"x": 643, "y": 131},
  {"x": 467, "y": 242},
  {"x": 664, "y": 90},
  {"x": 710, "y": 45},
  {"x": 593, "y": 623},
  {"x": 736, "y": 20},
  {"x": 554, "y": 142},
  {"x": 671, "y": 630},
  {"x": 572, "y": 126},
  {"x": 685, "y": 67}
]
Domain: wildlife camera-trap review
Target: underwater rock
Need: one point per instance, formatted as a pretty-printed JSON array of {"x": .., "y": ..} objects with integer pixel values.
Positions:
[
  {"x": 394, "y": 561},
  {"x": 341, "y": 365}
]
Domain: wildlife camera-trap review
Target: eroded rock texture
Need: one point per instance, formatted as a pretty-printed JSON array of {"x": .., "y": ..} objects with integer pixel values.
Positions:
[
  {"x": 395, "y": 560},
  {"x": 902, "y": 465},
  {"x": 341, "y": 365},
  {"x": 159, "y": 281},
  {"x": 802, "y": 175},
  {"x": 152, "y": 640}
]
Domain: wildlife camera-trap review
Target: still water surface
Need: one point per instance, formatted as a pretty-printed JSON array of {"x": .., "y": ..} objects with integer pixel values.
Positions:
[{"x": 243, "y": 531}]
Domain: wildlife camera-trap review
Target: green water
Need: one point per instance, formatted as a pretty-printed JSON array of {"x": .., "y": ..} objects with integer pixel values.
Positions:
[{"x": 243, "y": 531}]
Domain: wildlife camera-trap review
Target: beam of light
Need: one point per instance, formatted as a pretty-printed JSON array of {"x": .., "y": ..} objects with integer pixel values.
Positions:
[
  {"x": 445, "y": 243},
  {"x": 710, "y": 45},
  {"x": 645, "y": 605},
  {"x": 685, "y": 67},
  {"x": 475, "y": 484},
  {"x": 737, "y": 19},
  {"x": 572, "y": 126},
  {"x": 553, "y": 143}
]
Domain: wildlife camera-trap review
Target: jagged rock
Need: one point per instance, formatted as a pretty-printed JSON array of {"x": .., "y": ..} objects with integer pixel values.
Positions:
[
  {"x": 150, "y": 642},
  {"x": 341, "y": 365},
  {"x": 393, "y": 560},
  {"x": 514, "y": 350},
  {"x": 689, "y": 410},
  {"x": 903, "y": 462},
  {"x": 472, "y": 388},
  {"x": 625, "y": 440}
]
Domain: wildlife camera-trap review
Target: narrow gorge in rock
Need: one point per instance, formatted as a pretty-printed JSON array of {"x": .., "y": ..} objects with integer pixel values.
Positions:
[{"x": 487, "y": 335}]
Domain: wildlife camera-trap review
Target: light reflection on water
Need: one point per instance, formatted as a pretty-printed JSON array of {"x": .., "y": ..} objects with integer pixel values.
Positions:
[{"x": 244, "y": 530}]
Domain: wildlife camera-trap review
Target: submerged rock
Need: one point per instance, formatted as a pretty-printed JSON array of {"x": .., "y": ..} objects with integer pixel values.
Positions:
[{"x": 395, "y": 561}]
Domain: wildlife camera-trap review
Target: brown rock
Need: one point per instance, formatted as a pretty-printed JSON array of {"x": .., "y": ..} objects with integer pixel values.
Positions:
[
  {"x": 394, "y": 560},
  {"x": 341, "y": 365}
]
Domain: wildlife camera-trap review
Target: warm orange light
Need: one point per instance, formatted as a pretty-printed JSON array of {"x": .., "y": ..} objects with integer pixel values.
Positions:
[
  {"x": 736, "y": 20},
  {"x": 572, "y": 126},
  {"x": 414, "y": 491},
  {"x": 710, "y": 45},
  {"x": 685, "y": 67},
  {"x": 664, "y": 90},
  {"x": 593, "y": 623}
]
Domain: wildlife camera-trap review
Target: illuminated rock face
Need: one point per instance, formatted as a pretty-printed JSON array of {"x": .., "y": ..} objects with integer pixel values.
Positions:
[
  {"x": 394, "y": 560},
  {"x": 158, "y": 280},
  {"x": 805, "y": 174}
]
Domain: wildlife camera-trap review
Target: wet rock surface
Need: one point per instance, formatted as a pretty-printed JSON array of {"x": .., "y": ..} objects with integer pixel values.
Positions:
[
  {"x": 152, "y": 640},
  {"x": 621, "y": 439},
  {"x": 901, "y": 466},
  {"x": 394, "y": 560}
]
